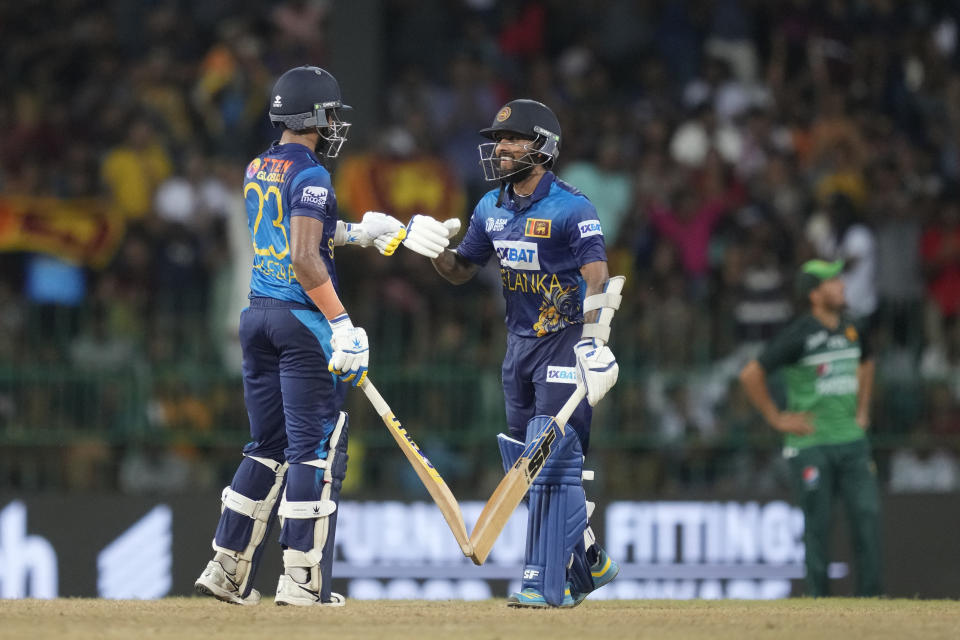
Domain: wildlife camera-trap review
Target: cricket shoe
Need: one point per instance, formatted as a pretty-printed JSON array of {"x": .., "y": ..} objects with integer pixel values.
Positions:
[
  {"x": 291, "y": 593},
  {"x": 533, "y": 599},
  {"x": 603, "y": 571},
  {"x": 216, "y": 582}
]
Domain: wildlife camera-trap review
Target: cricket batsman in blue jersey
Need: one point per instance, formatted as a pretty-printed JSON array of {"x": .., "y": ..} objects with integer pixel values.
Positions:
[
  {"x": 300, "y": 348},
  {"x": 547, "y": 239}
]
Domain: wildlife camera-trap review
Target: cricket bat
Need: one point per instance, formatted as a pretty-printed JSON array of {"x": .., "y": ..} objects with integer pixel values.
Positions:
[
  {"x": 515, "y": 484},
  {"x": 428, "y": 474}
]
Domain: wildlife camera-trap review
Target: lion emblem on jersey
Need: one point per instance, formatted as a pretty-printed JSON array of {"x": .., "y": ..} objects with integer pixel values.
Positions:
[{"x": 557, "y": 310}]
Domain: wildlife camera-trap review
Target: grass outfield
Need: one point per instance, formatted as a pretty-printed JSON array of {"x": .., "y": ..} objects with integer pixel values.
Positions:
[{"x": 189, "y": 618}]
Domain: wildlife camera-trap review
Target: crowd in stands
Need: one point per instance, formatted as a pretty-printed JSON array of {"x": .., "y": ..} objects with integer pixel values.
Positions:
[{"x": 723, "y": 143}]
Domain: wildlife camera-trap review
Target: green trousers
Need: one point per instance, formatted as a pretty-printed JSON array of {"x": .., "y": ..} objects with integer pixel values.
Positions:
[{"x": 820, "y": 473}]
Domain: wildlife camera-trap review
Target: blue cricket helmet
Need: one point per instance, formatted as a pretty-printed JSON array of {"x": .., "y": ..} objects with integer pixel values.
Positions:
[{"x": 306, "y": 97}]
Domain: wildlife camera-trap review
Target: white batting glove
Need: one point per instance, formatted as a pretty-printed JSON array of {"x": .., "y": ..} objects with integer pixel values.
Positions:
[
  {"x": 597, "y": 369},
  {"x": 428, "y": 236},
  {"x": 351, "y": 352},
  {"x": 385, "y": 232}
]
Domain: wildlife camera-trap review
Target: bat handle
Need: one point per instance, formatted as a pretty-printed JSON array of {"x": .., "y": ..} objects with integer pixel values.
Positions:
[
  {"x": 569, "y": 406},
  {"x": 379, "y": 404}
]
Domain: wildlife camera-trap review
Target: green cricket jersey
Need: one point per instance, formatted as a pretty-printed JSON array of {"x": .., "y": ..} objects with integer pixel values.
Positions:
[{"x": 820, "y": 370}]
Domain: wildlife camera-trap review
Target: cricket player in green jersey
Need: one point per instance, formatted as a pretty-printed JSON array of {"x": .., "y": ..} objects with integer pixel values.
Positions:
[{"x": 828, "y": 370}]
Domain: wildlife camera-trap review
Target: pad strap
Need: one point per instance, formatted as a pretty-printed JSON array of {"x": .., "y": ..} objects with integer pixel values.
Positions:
[
  {"x": 308, "y": 559},
  {"x": 256, "y": 509},
  {"x": 306, "y": 510},
  {"x": 273, "y": 465}
]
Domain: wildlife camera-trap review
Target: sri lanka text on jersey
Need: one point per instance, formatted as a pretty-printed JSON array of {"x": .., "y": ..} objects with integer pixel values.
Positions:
[{"x": 529, "y": 282}]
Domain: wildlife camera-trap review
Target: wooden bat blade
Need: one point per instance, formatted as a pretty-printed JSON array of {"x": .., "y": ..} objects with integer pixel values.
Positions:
[
  {"x": 509, "y": 493},
  {"x": 433, "y": 482},
  {"x": 428, "y": 474}
]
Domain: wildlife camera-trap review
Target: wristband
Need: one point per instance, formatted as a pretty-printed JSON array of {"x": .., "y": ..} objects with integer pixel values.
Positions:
[{"x": 327, "y": 300}]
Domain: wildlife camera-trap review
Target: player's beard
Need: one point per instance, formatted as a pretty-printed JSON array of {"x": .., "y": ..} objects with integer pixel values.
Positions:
[{"x": 520, "y": 174}]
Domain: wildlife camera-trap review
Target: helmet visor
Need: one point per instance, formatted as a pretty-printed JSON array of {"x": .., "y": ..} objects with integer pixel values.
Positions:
[{"x": 334, "y": 134}]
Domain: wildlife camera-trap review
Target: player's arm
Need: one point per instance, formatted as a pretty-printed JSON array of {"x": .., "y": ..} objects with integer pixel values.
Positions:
[
  {"x": 753, "y": 377},
  {"x": 459, "y": 265},
  {"x": 597, "y": 369},
  {"x": 351, "y": 351},
  {"x": 306, "y": 234},
  {"x": 595, "y": 274},
  {"x": 454, "y": 267}
]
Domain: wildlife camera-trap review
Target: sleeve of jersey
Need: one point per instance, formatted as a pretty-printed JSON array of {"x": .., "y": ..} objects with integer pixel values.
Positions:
[
  {"x": 785, "y": 348},
  {"x": 585, "y": 235},
  {"x": 475, "y": 245},
  {"x": 310, "y": 192}
]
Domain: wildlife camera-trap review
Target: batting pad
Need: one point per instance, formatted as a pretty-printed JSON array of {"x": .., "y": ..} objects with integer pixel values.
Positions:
[
  {"x": 557, "y": 516},
  {"x": 510, "y": 450},
  {"x": 309, "y": 512},
  {"x": 248, "y": 507}
]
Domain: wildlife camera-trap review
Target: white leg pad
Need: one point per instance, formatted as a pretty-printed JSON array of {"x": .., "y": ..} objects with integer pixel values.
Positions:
[
  {"x": 259, "y": 511},
  {"x": 319, "y": 511}
]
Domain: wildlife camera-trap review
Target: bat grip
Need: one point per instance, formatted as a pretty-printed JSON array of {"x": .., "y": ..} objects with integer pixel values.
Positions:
[
  {"x": 568, "y": 407},
  {"x": 379, "y": 404}
]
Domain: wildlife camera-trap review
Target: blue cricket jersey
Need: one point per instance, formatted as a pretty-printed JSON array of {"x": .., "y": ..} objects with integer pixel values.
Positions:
[
  {"x": 540, "y": 245},
  {"x": 284, "y": 181}
]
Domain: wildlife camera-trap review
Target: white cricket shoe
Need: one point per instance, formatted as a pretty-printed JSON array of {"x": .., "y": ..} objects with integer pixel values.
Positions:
[
  {"x": 289, "y": 592},
  {"x": 216, "y": 582}
]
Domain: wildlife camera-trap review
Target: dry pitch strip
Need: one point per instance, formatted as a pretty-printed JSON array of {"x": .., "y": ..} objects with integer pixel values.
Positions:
[{"x": 204, "y": 619}]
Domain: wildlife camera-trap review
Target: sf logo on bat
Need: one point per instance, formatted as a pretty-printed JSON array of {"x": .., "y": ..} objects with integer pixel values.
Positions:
[{"x": 538, "y": 457}]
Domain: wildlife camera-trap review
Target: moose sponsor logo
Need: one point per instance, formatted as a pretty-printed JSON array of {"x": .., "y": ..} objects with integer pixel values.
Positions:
[{"x": 314, "y": 195}]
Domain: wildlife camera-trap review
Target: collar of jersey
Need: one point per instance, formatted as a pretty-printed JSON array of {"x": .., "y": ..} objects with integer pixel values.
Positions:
[
  {"x": 290, "y": 147},
  {"x": 543, "y": 188}
]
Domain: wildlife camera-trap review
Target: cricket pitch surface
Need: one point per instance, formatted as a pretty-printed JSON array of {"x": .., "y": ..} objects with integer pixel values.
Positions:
[{"x": 207, "y": 619}]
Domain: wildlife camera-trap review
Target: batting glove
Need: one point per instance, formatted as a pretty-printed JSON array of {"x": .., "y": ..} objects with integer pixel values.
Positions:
[
  {"x": 429, "y": 237},
  {"x": 597, "y": 369},
  {"x": 383, "y": 231},
  {"x": 351, "y": 352}
]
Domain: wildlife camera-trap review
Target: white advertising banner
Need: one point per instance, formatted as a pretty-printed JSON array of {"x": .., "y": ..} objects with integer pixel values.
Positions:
[{"x": 393, "y": 549}]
